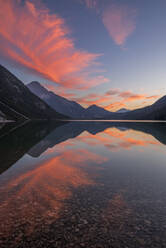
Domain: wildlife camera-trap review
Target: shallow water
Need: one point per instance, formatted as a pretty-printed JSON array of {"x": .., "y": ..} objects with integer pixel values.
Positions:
[{"x": 83, "y": 184}]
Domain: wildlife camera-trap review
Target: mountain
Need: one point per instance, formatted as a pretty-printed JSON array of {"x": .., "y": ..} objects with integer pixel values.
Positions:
[
  {"x": 64, "y": 106},
  {"x": 156, "y": 111},
  {"x": 18, "y": 102},
  {"x": 74, "y": 129},
  {"x": 97, "y": 112},
  {"x": 122, "y": 110},
  {"x": 58, "y": 103}
]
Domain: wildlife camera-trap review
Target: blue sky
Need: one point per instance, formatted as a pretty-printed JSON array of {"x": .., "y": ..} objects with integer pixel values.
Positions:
[{"x": 115, "y": 55}]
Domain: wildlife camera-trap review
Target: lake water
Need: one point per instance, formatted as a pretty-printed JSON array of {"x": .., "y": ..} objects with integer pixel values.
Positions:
[{"x": 83, "y": 184}]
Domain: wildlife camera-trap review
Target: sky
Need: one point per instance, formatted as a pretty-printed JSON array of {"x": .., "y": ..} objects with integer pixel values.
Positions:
[{"x": 105, "y": 52}]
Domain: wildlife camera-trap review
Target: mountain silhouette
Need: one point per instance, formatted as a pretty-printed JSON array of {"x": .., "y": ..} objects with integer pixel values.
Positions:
[
  {"x": 34, "y": 138},
  {"x": 74, "y": 129},
  {"x": 17, "y": 141},
  {"x": 17, "y": 102}
]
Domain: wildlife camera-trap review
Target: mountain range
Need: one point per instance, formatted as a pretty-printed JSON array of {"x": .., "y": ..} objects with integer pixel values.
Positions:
[
  {"x": 58, "y": 103},
  {"x": 67, "y": 107},
  {"x": 17, "y": 102},
  {"x": 34, "y": 101},
  {"x": 73, "y": 129},
  {"x": 34, "y": 138},
  {"x": 156, "y": 111}
]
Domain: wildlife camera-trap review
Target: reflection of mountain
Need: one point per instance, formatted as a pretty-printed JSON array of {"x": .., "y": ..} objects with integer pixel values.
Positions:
[
  {"x": 73, "y": 129},
  {"x": 156, "y": 129},
  {"x": 65, "y": 132},
  {"x": 16, "y": 143},
  {"x": 35, "y": 138}
]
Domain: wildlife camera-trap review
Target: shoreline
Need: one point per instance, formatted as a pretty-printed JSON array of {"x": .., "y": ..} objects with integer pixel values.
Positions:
[{"x": 141, "y": 121}]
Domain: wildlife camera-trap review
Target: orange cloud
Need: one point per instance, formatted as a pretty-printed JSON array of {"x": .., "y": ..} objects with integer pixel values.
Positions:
[
  {"x": 114, "y": 106},
  {"x": 120, "y": 22},
  {"x": 113, "y": 92},
  {"x": 129, "y": 95},
  {"x": 114, "y": 99},
  {"x": 40, "y": 41}
]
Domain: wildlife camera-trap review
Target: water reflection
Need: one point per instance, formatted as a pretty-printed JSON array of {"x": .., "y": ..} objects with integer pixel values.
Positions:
[
  {"x": 15, "y": 141},
  {"x": 83, "y": 185},
  {"x": 74, "y": 129}
]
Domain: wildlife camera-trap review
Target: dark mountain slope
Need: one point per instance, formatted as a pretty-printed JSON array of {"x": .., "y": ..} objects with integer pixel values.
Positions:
[
  {"x": 97, "y": 111},
  {"x": 18, "y": 101},
  {"x": 58, "y": 103},
  {"x": 122, "y": 110},
  {"x": 156, "y": 111}
]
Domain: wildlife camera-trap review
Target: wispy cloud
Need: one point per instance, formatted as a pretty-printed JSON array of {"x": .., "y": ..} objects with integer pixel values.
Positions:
[
  {"x": 40, "y": 41},
  {"x": 114, "y": 99},
  {"x": 120, "y": 21}
]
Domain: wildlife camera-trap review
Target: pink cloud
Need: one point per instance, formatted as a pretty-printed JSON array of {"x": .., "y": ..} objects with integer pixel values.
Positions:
[
  {"x": 115, "y": 99},
  {"x": 113, "y": 92},
  {"x": 120, "y": 21},
  {"x": 38, "y": 40}
]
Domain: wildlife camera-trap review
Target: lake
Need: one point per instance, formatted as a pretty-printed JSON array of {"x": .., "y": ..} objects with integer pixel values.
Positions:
[{"x": 83, "y": 184}]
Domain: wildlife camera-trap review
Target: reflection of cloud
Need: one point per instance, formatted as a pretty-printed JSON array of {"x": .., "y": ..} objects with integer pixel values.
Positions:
[
  {"x": 126, "y": 142},
  {"x": 114, "y": 139},
  {"x": 39, "y": 41},
  {"x": 119, "y": 20},
  {"x": 117, "y": 213},
  {"x": 39, "y": 194}
]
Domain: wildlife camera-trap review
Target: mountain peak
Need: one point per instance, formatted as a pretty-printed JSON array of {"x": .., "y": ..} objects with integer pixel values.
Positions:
[
  {"x": 160, "y": 101},
  {"x": 93, "y": 107},
  {"x": 97, "y": 111},
  {"x": 122, "y": 110},
  {"x": 18, "y": 102},
  {"x": 35, "y": 83},
  {"x": 37, "y": 88}
]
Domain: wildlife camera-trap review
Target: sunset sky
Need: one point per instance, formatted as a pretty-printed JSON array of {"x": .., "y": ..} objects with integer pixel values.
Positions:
[{"x": 106, "y": 52}]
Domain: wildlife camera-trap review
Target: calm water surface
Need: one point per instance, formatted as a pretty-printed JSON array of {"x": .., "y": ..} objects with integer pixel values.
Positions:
[{"x": 83, "y": 184}]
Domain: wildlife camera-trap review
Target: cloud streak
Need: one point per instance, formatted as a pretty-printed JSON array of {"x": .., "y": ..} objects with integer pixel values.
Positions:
[
  {"x": 120, "y": 22},
  {"x": 40, "y": 41},
  {"x": 115, "y": 99}
]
